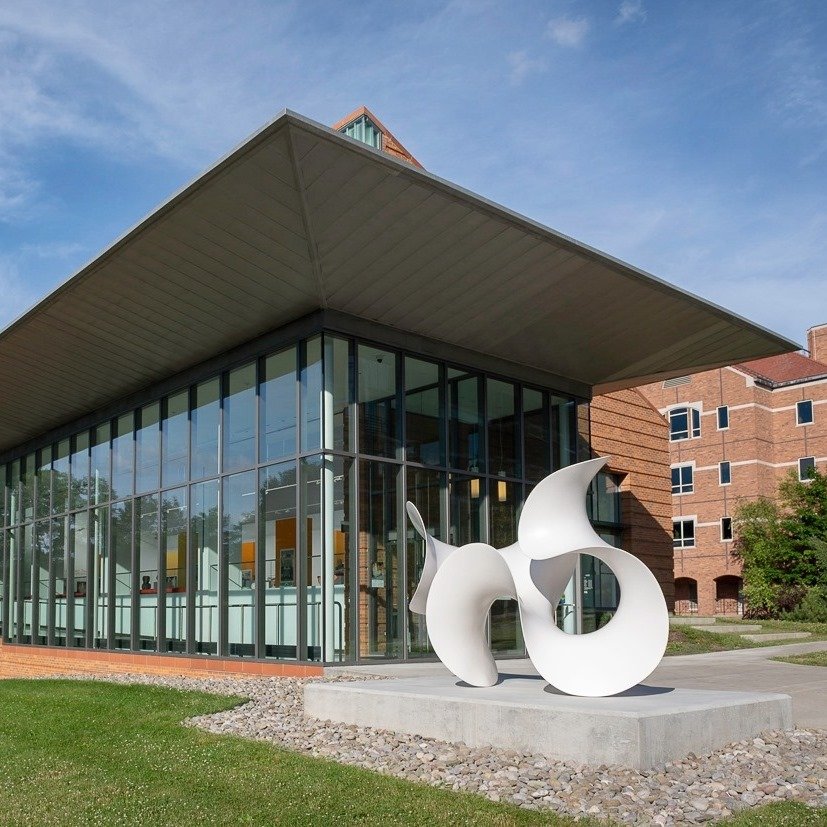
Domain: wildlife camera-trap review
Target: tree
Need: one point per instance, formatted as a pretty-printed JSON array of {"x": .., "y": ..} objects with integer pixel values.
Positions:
[{"x": 783, "y": 546}]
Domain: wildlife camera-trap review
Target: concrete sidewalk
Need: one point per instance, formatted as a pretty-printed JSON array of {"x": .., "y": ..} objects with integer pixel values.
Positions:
[{"x": 738, "y": 670}]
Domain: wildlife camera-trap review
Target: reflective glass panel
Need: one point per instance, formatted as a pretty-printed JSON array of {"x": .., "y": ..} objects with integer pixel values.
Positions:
[
  {"x": 504, "y": 500},
  {"x": 59, "y": 581},
  {"x": 312, "y": 481},
  {"x": 174, "y": 521},
  {"x": 28, "y": 476},
  {"x": 424, "y": 441},
  {"x": 503, "y": 433},
  {"x": 121, "y": 556},
  {"x": 13, "y": 555},
  {"x": 42, "y": 550},
  {"x": 148, "y": 448},
  {"x": 60, "y": 478},
  {"x": 14, "y": 492},
  {"x": 465, "y": 433},
  {"x": 340, "y": 564},
  {"x": 239, "y": 539},
  {"x": 424, "y": 490},
  {"x": 100, "y": 562},
  {"x": 563, "y": 432},
  {"x": 311, "y": 396},
  {"x": 78, "y": 546},
  {"x": 148, "y": 550},
  {"x": 536, "y": 435},
  {"x": 380, "y": 610},
  {"x": 79, "y": 469},
  {"x": 279, "y": 526},
  {"x": 600, "y": 590},
  {"x": 206, "y": 415},
  {"x": 466, "y": 512},
  {"x": 204, "y": 545},
  {"x": 240, "y": 418},
  {"x": 99, "y": 476},
  {"x": 123, "y": 457},
  {"x": 175, "y": 440},
  {"x": 278, "y": 406},
  {"x": 44, "y": 482},
  {"x": 378, "y": 420},
  {"x": 4, "y": 576},
  {"x": 337, "y": 387},
  {"x": 27, "y": 584}
]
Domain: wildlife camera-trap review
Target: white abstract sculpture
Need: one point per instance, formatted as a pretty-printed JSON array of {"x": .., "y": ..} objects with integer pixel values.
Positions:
[{"x": 459, "y": 584}]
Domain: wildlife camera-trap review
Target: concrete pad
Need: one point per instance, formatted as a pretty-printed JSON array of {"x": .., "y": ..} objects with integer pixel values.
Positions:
[
  {"x": 729, "y": 629},
  {"x": 776, "y": 636},
  {"x": 641, "y": 728}
]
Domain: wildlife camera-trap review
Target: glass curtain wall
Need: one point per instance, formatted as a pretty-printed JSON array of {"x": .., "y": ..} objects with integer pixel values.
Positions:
[{"x": 260, "y": 512}]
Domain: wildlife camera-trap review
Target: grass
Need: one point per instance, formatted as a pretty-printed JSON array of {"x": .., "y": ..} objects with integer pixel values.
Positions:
[
  {"x": 817, "y": 630},
  {"x": 807, "y": 659},
  {"x": 74, "y": 752},
  {"x": 779, "y": 814},
  {"x": 684, "y": 640}
]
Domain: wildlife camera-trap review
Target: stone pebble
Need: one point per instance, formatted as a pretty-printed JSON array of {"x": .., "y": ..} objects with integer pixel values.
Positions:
[{"x": 778, "y": 766}]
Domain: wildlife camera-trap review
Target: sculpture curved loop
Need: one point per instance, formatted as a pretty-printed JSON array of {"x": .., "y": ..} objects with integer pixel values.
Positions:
[{"x": 458, "y": 586}]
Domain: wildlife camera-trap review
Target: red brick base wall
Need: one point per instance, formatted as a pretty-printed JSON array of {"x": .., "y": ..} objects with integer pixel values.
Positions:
[{"x": 54, "y": 660}]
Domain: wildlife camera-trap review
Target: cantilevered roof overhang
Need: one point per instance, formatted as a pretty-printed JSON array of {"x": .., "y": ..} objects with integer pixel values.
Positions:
[{"x": 300, "y": 218}]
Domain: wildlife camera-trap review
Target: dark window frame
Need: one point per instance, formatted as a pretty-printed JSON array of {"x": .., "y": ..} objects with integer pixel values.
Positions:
[{"x": 799, "y": 406}]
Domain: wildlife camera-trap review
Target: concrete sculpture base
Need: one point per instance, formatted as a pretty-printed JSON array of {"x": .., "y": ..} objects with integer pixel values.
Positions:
[{"x": 641, "y": 728}]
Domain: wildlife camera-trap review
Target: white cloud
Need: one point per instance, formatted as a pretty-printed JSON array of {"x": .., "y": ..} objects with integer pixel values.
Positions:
[
  {"x": 568, "y": 31},
  {"x": 522, "y": 65},
  {"x": 630, "y": 11}
]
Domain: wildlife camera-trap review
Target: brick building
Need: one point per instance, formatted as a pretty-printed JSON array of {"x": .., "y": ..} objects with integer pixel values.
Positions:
[
  {"x": 213, "y": 428},
  {"x": 734, "y": 432},
  {"x": 626, "y": 427}
]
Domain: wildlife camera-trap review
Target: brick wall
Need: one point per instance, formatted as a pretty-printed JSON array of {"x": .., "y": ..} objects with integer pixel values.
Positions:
[
  {"x": 763, "y": 442},
  {"x": 626, "y": 427}
]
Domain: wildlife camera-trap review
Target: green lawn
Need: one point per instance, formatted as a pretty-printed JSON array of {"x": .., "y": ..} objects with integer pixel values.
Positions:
[
  {"x": 91, "y": 753},
  {"x": 817, "y": 630},
  {"x": 808, "y": 659},
  {"x": 781, "y": 814},
  {"x": 96, "y": 753},
  {"x": 684, "y": 640}
]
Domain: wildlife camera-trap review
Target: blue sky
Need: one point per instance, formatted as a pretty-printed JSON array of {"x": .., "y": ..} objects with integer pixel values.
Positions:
[{"x": 689, "y": 139}]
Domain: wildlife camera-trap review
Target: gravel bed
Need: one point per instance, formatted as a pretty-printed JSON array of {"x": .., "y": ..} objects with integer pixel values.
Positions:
[{"x": 778, "y": 766}]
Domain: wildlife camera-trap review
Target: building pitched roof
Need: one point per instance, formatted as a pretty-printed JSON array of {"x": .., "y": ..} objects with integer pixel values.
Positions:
[
  {"x": 301, "y": 219},
  {"x": 390, "y": 143},
  {"x": 784, "y": 369}
]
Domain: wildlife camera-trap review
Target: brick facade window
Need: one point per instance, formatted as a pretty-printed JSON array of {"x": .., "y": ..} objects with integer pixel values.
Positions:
[
  {"x": 684, "y": 423},
  {"x": 723, "y": 417},
  {"x": 726, "y": 528},
  {"x": 804, "y": 412},
  {"x": 683, "y": 533},
  {"x": 683, "y": 479},
  {"x": 724, "y": 473},
  {"x": 806, "y": 466}
]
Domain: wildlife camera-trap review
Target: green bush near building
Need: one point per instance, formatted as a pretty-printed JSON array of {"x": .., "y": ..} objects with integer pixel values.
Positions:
[{"x": 783, "y": 548}]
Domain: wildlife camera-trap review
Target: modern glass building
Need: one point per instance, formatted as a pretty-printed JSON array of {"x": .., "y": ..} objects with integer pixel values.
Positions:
[
  {"x": 208, "y": 434},
  {"x": 259, "y": 511}
]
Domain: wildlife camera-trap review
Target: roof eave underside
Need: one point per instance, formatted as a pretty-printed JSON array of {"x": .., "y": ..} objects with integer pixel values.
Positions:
[{"x": 301, "y": 218}]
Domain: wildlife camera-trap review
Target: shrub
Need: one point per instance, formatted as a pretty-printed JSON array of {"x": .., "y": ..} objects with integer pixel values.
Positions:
[
  {"x": 759, "y": 596},
  {"x": 811, "y": 609}
]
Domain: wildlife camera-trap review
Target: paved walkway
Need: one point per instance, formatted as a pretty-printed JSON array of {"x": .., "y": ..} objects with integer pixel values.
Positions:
[{"x": 742, "y": 669}]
